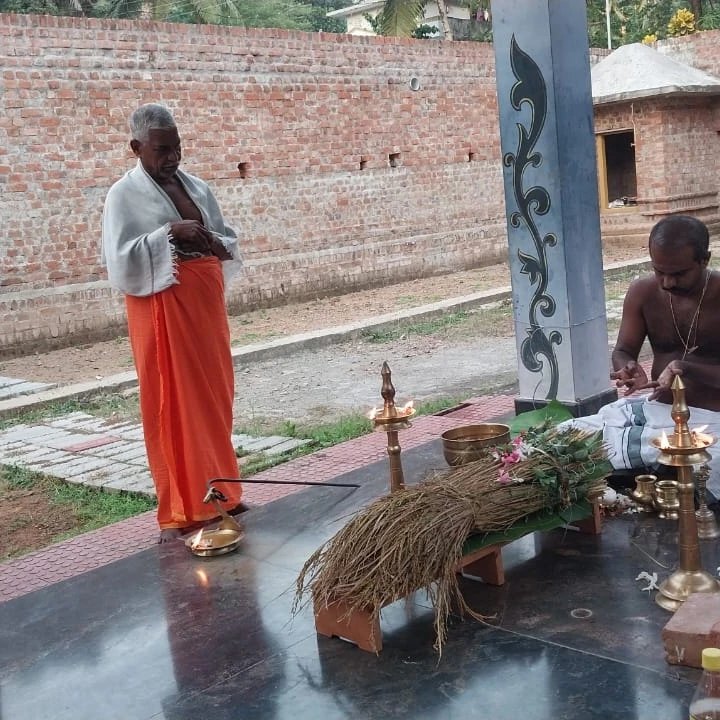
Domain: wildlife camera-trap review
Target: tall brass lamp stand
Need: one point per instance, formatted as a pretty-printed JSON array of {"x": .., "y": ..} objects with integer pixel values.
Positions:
[{"x": 682, "y": 450}]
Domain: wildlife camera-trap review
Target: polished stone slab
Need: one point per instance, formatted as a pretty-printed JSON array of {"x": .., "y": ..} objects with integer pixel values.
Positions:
[{"x": 163, "y": 634}]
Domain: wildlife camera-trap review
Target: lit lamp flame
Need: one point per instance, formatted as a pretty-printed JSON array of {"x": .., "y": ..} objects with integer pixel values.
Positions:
[
  {"x": 202, "y": 577},
  {"x": 406, "y": 410},
  {"x": 700, "y": 437},
  {"x": 195, "y": 542},
  {"x": 664, "y": 442},
  {"x": 199, "y": 543}
]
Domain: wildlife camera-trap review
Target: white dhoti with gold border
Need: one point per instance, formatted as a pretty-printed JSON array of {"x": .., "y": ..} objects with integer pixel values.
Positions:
[{"x": 630, "y": 424}]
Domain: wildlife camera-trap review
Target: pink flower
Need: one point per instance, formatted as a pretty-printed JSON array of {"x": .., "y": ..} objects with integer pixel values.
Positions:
[
  {"x": 504, "y": 478},
  {"x": 511, "y": 458}
]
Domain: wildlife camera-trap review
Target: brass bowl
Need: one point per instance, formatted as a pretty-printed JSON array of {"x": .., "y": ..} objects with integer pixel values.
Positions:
[
  {"x": 218, "y": 541},
  {"x": 472, "y": 442}
]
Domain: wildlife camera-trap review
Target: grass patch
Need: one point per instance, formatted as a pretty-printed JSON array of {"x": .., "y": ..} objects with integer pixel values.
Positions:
[
  {"x": 96, "y": 508},
  {"x": 251, "y": 337},
  {"x": 260, "y": 461},
  {"x": 323, "y": 435},
  {"x": 117, "y": 406},
  {"x": 320, "y": 436},
  {"x": 491, "y": 320},
  {"x": 617, "y": 286},
  {"x": 424, "y": 327},
  {"x": 37, "y": 510},
  {"x": 430, "y": 407}
]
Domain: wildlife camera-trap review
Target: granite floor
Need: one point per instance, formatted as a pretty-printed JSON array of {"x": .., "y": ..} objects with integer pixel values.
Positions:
[{"x": 164, "y": 634}]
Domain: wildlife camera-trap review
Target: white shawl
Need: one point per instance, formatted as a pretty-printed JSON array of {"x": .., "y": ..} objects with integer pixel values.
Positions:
[
  {"x": 630, "y": 424},
  {"x": 136, "y": 238}
]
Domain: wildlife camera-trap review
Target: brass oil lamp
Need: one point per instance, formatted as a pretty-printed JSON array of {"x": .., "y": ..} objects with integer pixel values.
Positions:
[
  {"x": 224, "y": 538},
  {"x": 391, "y": 419},
  {"x": 682, "y": 450}
]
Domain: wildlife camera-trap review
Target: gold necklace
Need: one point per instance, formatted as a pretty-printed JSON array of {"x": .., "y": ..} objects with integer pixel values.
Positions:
[{"x": 693, "y": 323}]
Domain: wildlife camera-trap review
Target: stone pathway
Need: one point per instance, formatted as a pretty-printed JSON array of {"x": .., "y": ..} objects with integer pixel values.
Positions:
[
  {"x": 13, "y": 387},
  {"x": 87, "y": 450}
]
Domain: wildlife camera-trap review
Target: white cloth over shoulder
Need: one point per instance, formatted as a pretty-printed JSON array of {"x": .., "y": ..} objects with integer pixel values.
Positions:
[
  {"x": 630, "y": 424},
  {"x": 136, "y": 238}
]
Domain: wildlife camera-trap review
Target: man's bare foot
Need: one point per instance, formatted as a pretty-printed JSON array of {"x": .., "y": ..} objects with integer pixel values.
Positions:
[{"x": 169, "y": 534}]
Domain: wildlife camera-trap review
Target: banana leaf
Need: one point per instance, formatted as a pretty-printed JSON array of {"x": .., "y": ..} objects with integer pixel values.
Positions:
[{"x": 551, "y": 414}]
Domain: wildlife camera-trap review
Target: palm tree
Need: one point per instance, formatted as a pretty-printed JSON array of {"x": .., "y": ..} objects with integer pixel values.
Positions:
[
  {"x": 401, "y": 17},
  {"x": 212, "y": 12}
]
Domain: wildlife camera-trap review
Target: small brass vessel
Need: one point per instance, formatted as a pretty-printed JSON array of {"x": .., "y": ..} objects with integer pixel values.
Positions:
[
  {"x": 219, "y": 540},
  {"x": 644, "y": 492},
  {"x": 706, "y": 523},
  {"x": 472, "y": 442},
  {"x": 667, "y": 499}
]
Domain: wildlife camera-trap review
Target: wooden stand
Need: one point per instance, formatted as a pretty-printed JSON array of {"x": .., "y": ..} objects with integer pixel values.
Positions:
[
  {"x": 484, "y": 563},
  {"x": 357, "y": 626},
  {"x": 591, "y": 525}
]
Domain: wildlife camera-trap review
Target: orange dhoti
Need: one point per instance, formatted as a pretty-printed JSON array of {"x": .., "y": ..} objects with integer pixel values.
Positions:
[{"x": 181, "y": 345}]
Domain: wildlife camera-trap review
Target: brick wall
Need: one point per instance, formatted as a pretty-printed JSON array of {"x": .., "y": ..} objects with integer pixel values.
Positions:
[
  {"x": 676, "y": 163},
  {"x": 699, "y": 50},
  {"x": 313, "y": 120}
]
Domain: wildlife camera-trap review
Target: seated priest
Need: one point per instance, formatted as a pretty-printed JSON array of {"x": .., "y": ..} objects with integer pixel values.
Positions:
[{"x": 676, "y": 309}]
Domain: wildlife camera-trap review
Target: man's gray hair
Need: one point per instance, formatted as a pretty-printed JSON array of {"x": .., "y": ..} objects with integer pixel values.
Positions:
[{"x": 151, "y": 116}]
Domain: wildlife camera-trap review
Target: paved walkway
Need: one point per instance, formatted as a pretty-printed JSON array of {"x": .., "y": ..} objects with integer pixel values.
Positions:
[
  {"x": 87, "y": 450},
  {"x": 12, "y": 387}
]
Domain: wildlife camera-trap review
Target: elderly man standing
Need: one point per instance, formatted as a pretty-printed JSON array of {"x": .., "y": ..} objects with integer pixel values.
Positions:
[
  {"x": 164, "y": 242},
  {"x": 675, "y": 309}
]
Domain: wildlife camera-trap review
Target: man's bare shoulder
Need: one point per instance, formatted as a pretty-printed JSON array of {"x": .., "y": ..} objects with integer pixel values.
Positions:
[{"x": 642, "y": 289}]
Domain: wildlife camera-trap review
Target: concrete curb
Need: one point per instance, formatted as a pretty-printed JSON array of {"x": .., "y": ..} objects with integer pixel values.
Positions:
[
  {"x": 351, "y": 331},
  {"x": 285, "y": 346}
]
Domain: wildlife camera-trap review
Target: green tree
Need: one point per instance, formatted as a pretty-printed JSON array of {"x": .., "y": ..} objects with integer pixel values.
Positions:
[
  {"x": 37, "y": 7},
  {"x": 630, "y": 20},
  {"x": 308, "y": 15},
  {"x": 401, "y": 17},
  {"x": 318, "y": 15},
  {"x": 47, "y": 7}
]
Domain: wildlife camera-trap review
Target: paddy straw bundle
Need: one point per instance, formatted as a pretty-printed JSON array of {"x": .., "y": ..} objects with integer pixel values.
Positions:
[{"x": 414, "y": 538}]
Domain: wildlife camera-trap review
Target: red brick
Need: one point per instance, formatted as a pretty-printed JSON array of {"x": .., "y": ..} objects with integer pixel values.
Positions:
[{"x": 694, "y": 626}]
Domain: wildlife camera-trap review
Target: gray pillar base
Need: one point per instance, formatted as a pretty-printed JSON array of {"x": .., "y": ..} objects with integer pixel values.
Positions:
[{"x": 588, "y": 406}]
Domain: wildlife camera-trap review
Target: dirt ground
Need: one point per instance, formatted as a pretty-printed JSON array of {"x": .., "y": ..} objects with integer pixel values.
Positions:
[{"x": 30, "y": 520}]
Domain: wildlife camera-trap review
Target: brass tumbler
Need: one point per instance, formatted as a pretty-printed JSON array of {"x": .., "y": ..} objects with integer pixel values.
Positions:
[
  {"x": 644, "y": 492},
  {"x": 667, "y": 499}
]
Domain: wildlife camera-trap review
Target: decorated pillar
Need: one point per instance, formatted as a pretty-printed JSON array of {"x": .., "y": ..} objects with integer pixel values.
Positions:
[{"x": 551, "y": 196}]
